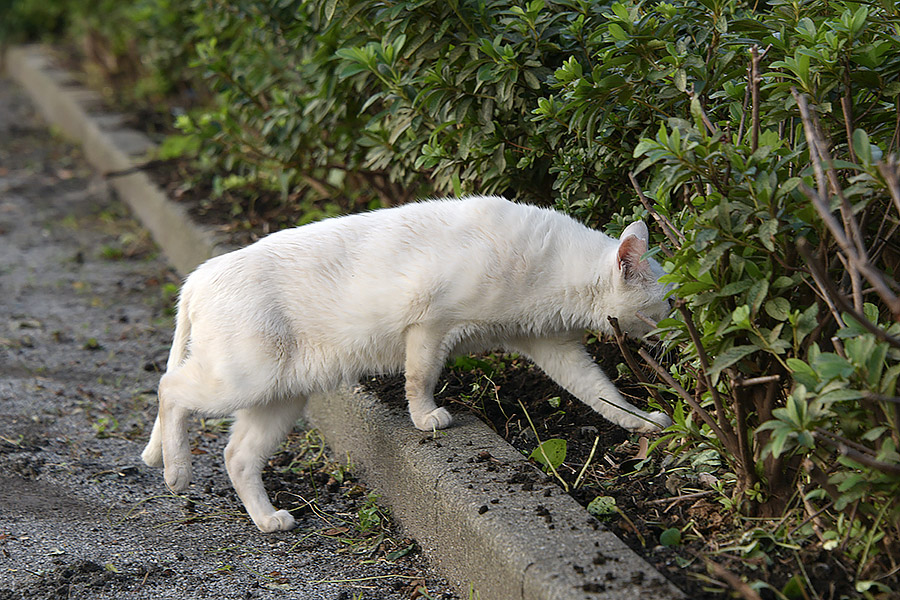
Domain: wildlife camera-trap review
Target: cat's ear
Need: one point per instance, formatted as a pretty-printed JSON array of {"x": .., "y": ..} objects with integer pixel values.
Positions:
[
  {"x": 639, "y": 229},
  {"x": 632, "y": 246}
]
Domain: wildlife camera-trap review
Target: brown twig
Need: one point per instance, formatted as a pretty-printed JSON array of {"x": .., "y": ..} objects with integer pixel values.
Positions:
[
  {"x": 888, "y": 170},
  {"x": 831, "y": 294},
  {"x": 636, "y": 368},
  {"x": 847, "y": 237},
  {"x": 754, "y": 95},
  {"x": 813, "y": 515},
  {"x": 757, "y": 380},
  {"x": 822, "y": 288},
  {"x": 858, "y": 456},
  {"x": 681, "y": 498},
  {"x": 704, "y": 371},
  {"x": 741, "y": 416},
  {"x": 642, "y": 317},
  {"x": 847, "y": 108},
  {"x": 881, "y": 398},
  {"x": 703, "y": 117},
  {"x": 736, "y": 583},
  {"x": 674, "y": 236},
  {"x": 840, "y": 439},
  {"x": 701, "y": 412}
]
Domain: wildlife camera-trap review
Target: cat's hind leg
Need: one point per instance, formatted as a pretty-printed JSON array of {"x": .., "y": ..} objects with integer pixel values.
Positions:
[
  {"x": 255, "y": 435},
  {"x": 171, "y": 429},
  {"x": 425, "y": 356},
  {"x": 152, "y": 454}
]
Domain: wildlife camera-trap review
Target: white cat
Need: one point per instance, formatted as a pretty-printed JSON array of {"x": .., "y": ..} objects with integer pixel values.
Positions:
[{"x": 306, "y": 309}]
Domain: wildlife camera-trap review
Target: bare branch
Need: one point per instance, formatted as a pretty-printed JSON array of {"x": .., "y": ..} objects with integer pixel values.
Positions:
[
  {"x": 832, "y": 294},
  {"x": 888, "y": 170},
  {"x": 701, "y": 412},
  {"x": 671, "y": 232},
  {"x": 737, "y": 584},
  {"x": 847, "y": 108},
  {"x": 757, "y": 380},
  {"x": 819, "y": 154},
  {"x": 676, "y": 499},
  {"x": 636, "y": 368},
  {"x": 847, "y": 237},
  {"x": 754, "y": 94},
  {"x": 859, "y": 456},
  {"x": 704, "y": 364}
]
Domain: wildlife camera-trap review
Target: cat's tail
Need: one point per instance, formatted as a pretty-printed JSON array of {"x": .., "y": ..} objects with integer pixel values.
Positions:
[
  {"x": 152, "y": 454},
  {"x": 182, "y": 330}
]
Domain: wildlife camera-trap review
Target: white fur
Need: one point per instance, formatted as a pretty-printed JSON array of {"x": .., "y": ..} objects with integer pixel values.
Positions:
[{"x": 306, "y": 309}]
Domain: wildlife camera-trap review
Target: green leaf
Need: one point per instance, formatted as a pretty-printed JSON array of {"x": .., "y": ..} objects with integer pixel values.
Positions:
[
  {"x": 602, "y": 506},
  {"x": 806, "y": 323},
  {"x": 621, "y": 12},
  {"x": 730, "y": 357},
  {"x": 778, "y": 308},
  {"x": 550, "y": 452},
  {"x": 767, "y": 232},
  {"x": 330, "y": 6},
  {"x": 741, "y": 316},
  {"x": 830, "y": 366},
  {"x": 709, "y": 260},
  {"x": 862, "y": 147},
  {"x": 794, "y": 589},
  {"x": 757, "y": 295},
  {"x": 670, "y": 537},
  {"x": 616, "y": 31},
  {"x": 680, "y": 80}
]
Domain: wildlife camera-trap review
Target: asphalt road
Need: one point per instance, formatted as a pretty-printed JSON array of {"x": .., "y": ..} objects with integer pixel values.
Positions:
[{"x": 85, "y": 324}]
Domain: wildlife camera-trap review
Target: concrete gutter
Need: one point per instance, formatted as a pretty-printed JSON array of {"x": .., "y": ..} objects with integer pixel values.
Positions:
[{"x": 495, "y": 525}]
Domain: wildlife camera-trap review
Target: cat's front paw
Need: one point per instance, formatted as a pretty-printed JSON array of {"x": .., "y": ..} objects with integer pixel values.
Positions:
[
  {"x": 178, "y": 477},
  {"x": 657, "y": 421},
  {"x": 439, "y": 418},
  {"x": 280, "y": 520}
]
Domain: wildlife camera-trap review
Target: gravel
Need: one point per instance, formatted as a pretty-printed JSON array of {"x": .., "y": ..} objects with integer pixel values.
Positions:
[{"x": 85, "y": 325}]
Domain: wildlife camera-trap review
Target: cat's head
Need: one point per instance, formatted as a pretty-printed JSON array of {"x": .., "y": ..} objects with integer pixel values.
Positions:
[{"x": 636, "y": 283}]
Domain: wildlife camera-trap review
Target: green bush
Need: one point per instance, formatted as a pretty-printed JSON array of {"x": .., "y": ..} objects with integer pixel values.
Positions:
[
  {"x": 754, "y": 131},
  {"x": 408, "y": 99},
  {"x": 31, "y": 20}
]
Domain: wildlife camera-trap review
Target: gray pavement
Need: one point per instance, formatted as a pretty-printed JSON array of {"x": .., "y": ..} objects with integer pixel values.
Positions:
[{"x": 85, "y": 305}]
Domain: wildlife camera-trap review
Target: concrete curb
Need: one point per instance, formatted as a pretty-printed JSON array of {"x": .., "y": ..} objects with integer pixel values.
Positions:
[
  {"x": 110, "y": 147},
  {"x": 495, "y": 525}
]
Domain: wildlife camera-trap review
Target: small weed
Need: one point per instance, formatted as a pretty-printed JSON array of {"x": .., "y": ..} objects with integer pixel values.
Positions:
[
  {"x": 105, "y": 427},
  {"x": 92, "y": 344},
  {"x": 369, "y": 515},
  {"x": 169, "y": 292},
  {"x": 16, "y": 442},
  {"x": 110, "y": 252},
  {"x": 550, "y": 453}
]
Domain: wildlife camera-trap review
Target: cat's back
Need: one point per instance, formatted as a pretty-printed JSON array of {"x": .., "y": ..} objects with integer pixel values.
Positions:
[{"x": 431, "y": 235}]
